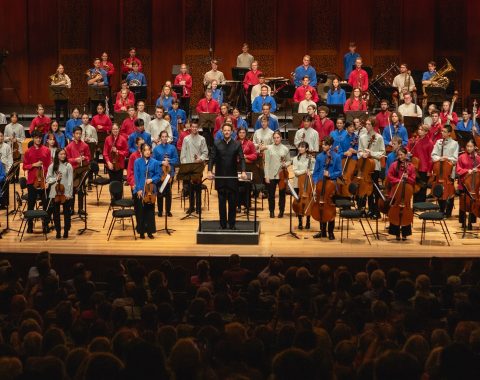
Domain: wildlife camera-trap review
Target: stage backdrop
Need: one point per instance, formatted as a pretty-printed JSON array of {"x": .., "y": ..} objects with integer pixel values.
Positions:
[{"x": 40, "y": 34}]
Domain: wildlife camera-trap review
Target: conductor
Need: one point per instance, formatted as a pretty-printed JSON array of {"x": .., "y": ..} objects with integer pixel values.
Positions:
[{"x": 226, "y": 154}]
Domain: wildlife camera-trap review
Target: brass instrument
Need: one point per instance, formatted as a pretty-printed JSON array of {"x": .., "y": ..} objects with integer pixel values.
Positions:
[
  {"x": 440, "y": 79},
  {"x": 58, "y": 79},
  {"x": 95, "y": 74},
  {"x": 134, "y": 83}
]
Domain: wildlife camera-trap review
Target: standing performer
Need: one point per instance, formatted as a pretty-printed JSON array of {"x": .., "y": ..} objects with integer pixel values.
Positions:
[
  {"x": 184, "y": 79},
  {"x": 305, "y": 70},
  {"x": 350, "y": 58},
  {"x": 225, "y": 155},
  {"x": 382, "y": 119},
  {"x": 303, "y": 163},
  {"x": 435, "y": 131},
  {"x": 15, "y": 136},
  {"x": 307, "y": 134},
  {"x": 40, "y": 122},
  {"x": 60, "y": 179},
  {"x": 131, "y": 163},
  {"x": 36, "y": 161},
  {"x": 250, "y": 154},
  {"x": 147, "y": 173},
  {"x": 467, "y": 164},
  {"x": 74, "y": 121},
  {"x": 245, "y": 59},
  {"x": 355, "y": 102},
  {"x": 115, "y": 151},
  {"x": 6, "y": 162},
  {"x": 421, "y": 147},
  {"x": 60, "y": 79},
  {"x": 336, "y": 94},
  {"x": 139, "y": 131},
  {"x": 358, "y": 78},
  {"x": 59, "y": 136},
  {"x": 277, "y": 159},
  {"x": 395, "y": 128},
  {"x": 127, "y": 63},
  {"x": 404, "y": 81},
  {"x": 107, "y": 66},
  {"x": 101, "y": 121},
  {"x": 157, "y": 125}
]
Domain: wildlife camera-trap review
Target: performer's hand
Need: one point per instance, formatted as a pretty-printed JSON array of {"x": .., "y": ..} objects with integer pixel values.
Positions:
[
  {"x": 148, "y": 181},
  {"x": 139, "y": 193},
  {"x": 37, "y": 164},
  {"x": 267, "y": 180},
  {"x": 325, "y": 173},
  {"x": 110, "y": 165},
  {"x": 210, "y": 175},
  {"x": 470, "y": 171},
  {"x": 243, "y": 176},
  {"x": 79, "y": 159},
  {"x": 99, "y": 126}
]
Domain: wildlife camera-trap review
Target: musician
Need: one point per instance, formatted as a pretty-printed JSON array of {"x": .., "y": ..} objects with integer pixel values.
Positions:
[
  {"x": 57, "y": 133},
  {"x": 428, "y": 118},
  {"x": 421, "y": 147},
  {"x": 245, "y": 59},
  {"x": 96, "y": 75},
  {"x": 217, "y": 93},
  {"x": 272, "y": 121},
  {"x": 40, "y": 122},
  {"x": 307, "y": 134},
  {"x": 435, "y": 131},
  {"x": 194, "y": 149},
  {"x": 396, "y": 144},
  {"x": 263, "y": 136},
  {"x": 158, "y": 125},
  {"x": 375, "y": 151},
  {"x": 78, "y": 154},
  {"x": 115, "y": 151},
  {"x": 146, "y": 170},
  {"x": 238, "y": 120},
  {"x": 446, "y": 116},
  {"x": 449, "y": 148},
  {"x": 301, "y": 90},
  {"x": 165, "y": 154},
  {"x": 401, "y": 170},
  {"x": 128, "y": 124},
  {"x": 36, "y": 158},
  {"x": 107, "y": 66},
  {"x": 131, "y": 162},
  {"x": 251, "y": 77},
  {"x": 263, "y": 99},
  {"x": 219, "y": 134},
  {"x": 336, "y": 94},
  {"x": 4, "y": 197},
  {"x": 185, "y": 80},
  {"x": 382, "y": 119},
  {"x": 136, "y": 78},
  {"x": 14, "y": 132},
  {"x": 427, "y": 75},
  {"x": 338, "y": 134},
  {"x": 207, "y": 104},
  {"x": 89, "y": 133},
  {"x": 349, "y": 59},
  {"x": 250, "y": 154},
  {"x": 404, "y": 82},
  {"x": 408, "y": 108},
  {"x": 183, "y": 131},
  {"x": 324, "y": 126},
  {"x": 60, "y": 79},
  {"x": 355, "y": 102},
  {"x": 213, "y": 74},
  {"x": 51, "y": 144},
  {"x": 177, "y": 114},
  {"x": 303, "y": 105},
  {"x": 305, "y": 70},
  {"x": 101, "y": 121},
  {"x": 60, "y": 171},
  {"x": 221, "y": 118},
  {"x": 256, "y": 90},
  {"x": 303, "y": 163},
  {"x": 467, "y": 163},
  {"x": 130, "y": 94},
  {"x": 123, "y": 102},
  {"x": 349, "y": 145},
  {"x": 166, "y": 98},
  {"x": 463, "y": 125},
  {"x": 6, "y": 162},
  {"x": 395, "y": 128},
  {"x": 327, "y": 164},
  {"x": 127, "y": 63},
  {"x": 358, "y": 78},
  {"x": 359, "y": 128},
  {"x": 139, "y": 132}
]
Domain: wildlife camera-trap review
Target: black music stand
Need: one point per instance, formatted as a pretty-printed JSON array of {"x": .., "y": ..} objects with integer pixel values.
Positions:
[
  {"x": 463, "y": 137},
  {"x": 297, "y": 119},
  {"x": 178, "y": 89},
  {"x": 347, "y": 88},
  {"x": 189, "y": 172},
  {"x": 206, "y": 121},
  {"x": 335, "y": 111},
  {"x": 119, "y": 117},
  {"x": 83, "y": 186},
  {"x": 97, "y": 94},
  {"x": 59, "y": 92},
  {"x": 377, "y": 234},
  {"x": 165, "y": 228},
  {"x": 436, "y": 94},
  {"x": 292, "y": 194},
  {"x": 9, "y": 179},
  {"x": 411, "y": 123},
  {"x": 15, "y": 167},
  {"x": 284, "y": 94},
  {"x": 140, "y": 92},
  {"x": 386, "y": 92},
  {"x": 238, "y": 73},
  {"x": 350, "y": 115}
]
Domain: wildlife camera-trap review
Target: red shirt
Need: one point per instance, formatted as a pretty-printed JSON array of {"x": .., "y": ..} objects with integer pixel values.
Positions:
[
  {"x": 443, "y": 117},
  {"x": 464, "y": 164},
  {"x": 249, "y": 150},
  {"x": 208, "y": 106},
  {"x": 381, "y": 121},
  {"x": 220, "y": 120},
  {"x": 422, "y": 149},
  {"x": 117, "y": 107},
  {"x": 324, "y": 128},
  {"x": 76, "y": 149},
  {"x": 394, "y": 175},
  {"x": 122, "y": 149},
  {"x": 183, "y": 134},
  {"x": 358, "y": 78},
  {"x": 355, "y": 105},
  {"x": 187, "y": 88},
  {"x": 435, "y": 132},
  {"x": 42, "y": 123},
  {"x": 111, "y": 68},
  {"x": 128, "y": 127},
  {"x": 131, "y": 163},
  {"x": 130, "y": 96},
  {"x": 300, "y": 93},
  {"x": 129, "y": 60},
  {"x": 104, "y": 121},
  {"x": 32, "y": 155},
  {"x": 251, "y": 79}
]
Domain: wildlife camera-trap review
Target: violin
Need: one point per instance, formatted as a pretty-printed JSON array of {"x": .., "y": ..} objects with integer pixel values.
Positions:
[
  {"x": 59, "y": 191},
  {"x": 39, "y": 182},
  {"x": 15, "y": 149},
  {"x": 165, "y": 168},
  {"x": 282, "y": 175},
  {"x": 362, "y": 184},
  {"x": 442, "y": 185},
  {"x": 149, "y": 191},
  {"x": 324, "y": 210},
  {"x": 401, "y": 211},
  {"x": 306, "y": 193},
  {"x": 470, "y": 202},
  {"x": 115, "y": 157}
]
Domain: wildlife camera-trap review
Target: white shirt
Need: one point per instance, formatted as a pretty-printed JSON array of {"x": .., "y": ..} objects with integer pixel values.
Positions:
[
  {"x": 145, "y": 117},
  {"x": 410, "y": 110},
  {"x": 19, "y": 131},
  {"x": 157, "y": 126},
  {"x": 273, "y": 160},
  {"x": 264, "y": 136},
  {"x": 310, "y": 136},
  {"x": 6, "y": 157},
  {"x": 89, "y": 131},
  {"x": 401, "y": 82},
  {"x": 377, "y": 148},
  {"x": 300, "y": 167},
  {"x": 193, "y": 145},
  {"x": 245, "y": 60},
  {"x": 303, "y": 105},
  {"x": 450, "y": 150},
  {"x": 67, "y": 179}
]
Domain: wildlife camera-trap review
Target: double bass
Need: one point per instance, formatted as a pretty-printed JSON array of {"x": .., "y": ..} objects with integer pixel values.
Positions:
[
  {"x": 306, "y": 193},
  {"x": 324, "y": 210},
  {"x": 349, "y": 166},
  {"x": 442, "y": 185},
  {"x": 362, "y": 184},
  {"x": 470, "y": 201},
  {"x": 400, "y": 212}
]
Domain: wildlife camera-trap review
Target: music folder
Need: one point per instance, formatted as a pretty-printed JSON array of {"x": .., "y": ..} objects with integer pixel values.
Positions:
[{"x": 191, "y": 171}]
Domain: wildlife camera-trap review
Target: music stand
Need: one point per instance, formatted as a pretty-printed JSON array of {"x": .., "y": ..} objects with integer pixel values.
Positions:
[
  {"x": 463, "y": 137},
  {"x": 297, "y": 119},
  {"x": 347, "y": 88},
  {"x": 285, "y": 93},
  {"x": 335, "y": 111},
  {"x": 140, "y": 92},
  {"x": 59, "y": 92},
  {"x": 411, "y": 123},
  {"x": 350, "y": 115},
  {"x": 119, "y": 117},
  {"x": 238, "y": 73},
  {"x": 178, "y": 89},
  {"x": 206, "y": 121},
  {"x": 160, "y": 190},
  {"x": 386, "y": 92},
  {"x": 97, "y": 94},
  {"x": 9, "y": 179},
  {"x": 85, "y": 218},
  {"x": 192, "y": 172},
  {"x": 377, "y": 234},
  {"x": 292, "y": 194},
  {"x": 15, "y": 167},
  {"x": 435, "y": 94}
]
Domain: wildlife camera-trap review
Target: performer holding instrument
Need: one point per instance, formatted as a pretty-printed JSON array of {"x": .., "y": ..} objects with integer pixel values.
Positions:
[
  {"x": 303, "y": 165},
  {"x": 40, "y": 122},
  {"x": 115, "y": 151},
  {"x": 131, "y": 163},
  {"x": 307, "y": 134},
  {"x": 184, "y": 79},
  {"x": 6, "y": 161},
  {"x": 420, "y": 151},
  {"x": 127, "y": 63},
  {"x": 60, "y": 79},
  {"x": 97, "y": 76}
]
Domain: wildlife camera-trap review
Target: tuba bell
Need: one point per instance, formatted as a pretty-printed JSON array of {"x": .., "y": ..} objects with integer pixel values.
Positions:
[
  {"x": 134, "y": 83},
  {"x": 440, "y": 78}
]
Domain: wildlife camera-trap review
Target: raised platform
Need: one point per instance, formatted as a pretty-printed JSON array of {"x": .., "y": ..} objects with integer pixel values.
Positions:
[{"x": 245, "y": 233}]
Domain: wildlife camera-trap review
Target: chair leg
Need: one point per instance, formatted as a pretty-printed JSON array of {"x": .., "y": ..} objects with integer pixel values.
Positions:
[
  {"x": 106, "y": 216},
  {"x": 364, "y": 231},
  {"x": 45, "y": 230},
  {"x": 98, "y": 195},
  {"x": 371, "y": 229},
  {"x": 442, "y": 223},
  {"x": 341, "y": 230},
  {"x": 110, "y": 228},
  {"x": 133, "y": 228},
  {"x": 348, "y": 226},
  {"x": 21, "y": 225},
  {"x": 448, "y": 231},
  {"x": 23, "y": 231},
  {"x": 422, "y": 233}
]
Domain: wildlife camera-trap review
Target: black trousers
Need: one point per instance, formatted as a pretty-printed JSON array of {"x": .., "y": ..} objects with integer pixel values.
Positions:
[
  {"x": 462, "y": 217},
  {"x": 116, "y": 175},
  {"x": 244, "y": 189},
  {"x": 227, "y": 195},
  {"x": 185, "y": 105},
  {"x": 372, "y": 198},
  {"x": 33, "y": 195},
  {"x": 80, "y": 195},
  {"x": 396, "y": 230},
  {"x": 446, "y": 207},
  {"x": 195, "y": 192},
  {"x": 61, "y": 106},
  {"x": 421, "y": 196},
  {"x": 167, "y": 195},
  {"x": 145, "y": 216},
  {"x": 272, "y": 188},
  {"x": 67, "y": 218},
  {"x": 5, "y": 193}
]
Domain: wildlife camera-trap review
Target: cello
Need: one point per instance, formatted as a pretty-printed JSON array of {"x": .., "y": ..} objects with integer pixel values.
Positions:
[
  {"x": 470, "y": 201},
  {"x": 348, "y": 170},
  {"x": 442, "y": 186},
  {"x": 324, "y": 210},
  {"x": 306, "y": 194},
  {"x": 400, "y": 212},
  {"x": 362, "y": 183},
  {"x": 475, "y": 134}
]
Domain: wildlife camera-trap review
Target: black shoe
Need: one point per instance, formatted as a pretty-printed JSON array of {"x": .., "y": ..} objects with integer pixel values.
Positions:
[
  {"x": 65, "y": 235},
  {"x": 280, "y": 214},
  {"x": 150, "y": 236},
  {"x": 317, "y": 235},
  {"x": 160, "y": 213},
  {"x": 324, "y": 234},
  {"x": 397, "y": 237},
  {"x": 30, "y": 230},
  {"x": 404, "y": 238},
  {"x": 169, "y": 214},
  {"x": 300, "y": 227},
  {"x": 142, "y": 236},
  {"x": 331, "y": 236},
  {"x": 223, "y": 228},
  {"x": 272, "y": 215},
  {"x": 469, "y": 227},
  {"x": 307, "y": 226},
  {"x": 58, "y": 235},
  {"x": 189, "y": 211},
  {"x": 233, "y": 228}
]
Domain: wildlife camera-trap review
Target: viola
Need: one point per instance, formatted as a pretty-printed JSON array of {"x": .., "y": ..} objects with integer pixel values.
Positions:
[
  {"x": 306, "y": 194},
  {"x": 400, "y": 212},
  {"x": 442, "y": 185},
  {"x": 282, "y": 175},
  {"x": 165, "y": 169},
  {"x": 149, "y": 191},
  {"x": 362, "y": 184},
  {"x": 39, "y": 182},
  {"x": 324, "y": 209},
  {"x": 59, "y": 192}
]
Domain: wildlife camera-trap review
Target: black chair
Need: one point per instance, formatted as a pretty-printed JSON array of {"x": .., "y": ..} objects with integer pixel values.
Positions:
[
  {"x": 98, "y": 180},
  {"x": 354, "y": 215},
  {"x": 343, "y": 204},
  {"x": 116, "y": 202},
  {"x": 121, "y": 215},
  {"x": 34, "y": 215},
  {"x": 434, "y": 216}
]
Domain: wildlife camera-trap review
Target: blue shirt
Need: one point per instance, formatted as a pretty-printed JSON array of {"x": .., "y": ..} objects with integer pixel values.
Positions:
[
  {"x": 2, "y": 176},
  {"x": 131, "y": 140},
  {"x": 349, "y": 141},
  {"x": 241, "y": 123},
  {"x": 166, "y": 103},
  {"x": 175, "y": 114},
  {"x": 139, "y": 172},
  {"x": 468, "y": 128},
  {"x": 300, "y": 72},
  {"x": 336, "y": 97},
  {"x": 219, "y": 135},
  {"x": 217, "y": 94},
  {"x": 161, "y": 150},
  {"x": 427, "y": 75},
  {"x": 334, "y": 168},
  {"x": 337, "y": 137},
  {"x": 138, "y": 76},
  {"x": 391, "y": 157},
  {"x": 70, "y": 126},
  {"x": 272, "y": 124},
  {"x": 59, "y": 136},
  {"x": 389, "y": 132},
  {"x": 104, "y": 75},
  {"x": 260, "y": 101},
  {"x": 348, "y": 62}
]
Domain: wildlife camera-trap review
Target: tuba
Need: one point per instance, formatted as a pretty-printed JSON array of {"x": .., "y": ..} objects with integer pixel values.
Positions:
[{"x": 440, "y": 79}]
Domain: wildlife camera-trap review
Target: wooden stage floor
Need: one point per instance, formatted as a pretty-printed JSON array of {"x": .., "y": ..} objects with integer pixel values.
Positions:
[{"x": 182, "y": 242}]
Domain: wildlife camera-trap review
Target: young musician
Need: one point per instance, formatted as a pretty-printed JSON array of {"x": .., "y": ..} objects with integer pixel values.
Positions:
[
  {"x": 36, "y": 158},
  {"x": 421, "y": 147},
  {"x": 307, "y": 134},
  {"x": 327, "y": 164},
  {"x": 257, "y": 89},
  {"x": 159, "y": 124},
  {"x": 404, "y": 82},
  {"x": 115, "y": 151},
  {"x": 301, "y": 90},
  {"x": 184, "y": 79},
  {"x": 139, "y": 131},
  {"x": 396, "y": 144},
  {"x": 305, "y": 70},
  {"x": 60, "y": 79},
  {"x": 183, "y": 131},
  {"x": 217, "y": 93},
  {"x": 14, "y": 132},
  {"x": 358, "y": 78},
  {"x": 61, "y": 172},
  {"x": 128, "y": 125},
  {"x": 74, "y": 121},
  {"x": 303, "y": 105},
  {"x": 401, "y": 170},
  {"x": 130, "y": 95},
  {"x": 97, "y": 76},
  {"x": 382, "y": 119},
  {"x": 146, "y": 171},
  {"x": 221, "y": 118},
  {"x": 408, "y": 108},
  {"x": 213, "y": 74},
  {"x": 245, "y": 59},
  {"x": 272, "y": 121},
  {"x": 349, "y": 145},
  {"x": 177, "y": 114},
  {"x": 107, "y": 66},
  {"x": 166, "y": 98},
  {"x": 59, "y": 136},
  {"x": 166, "y": 154},
  {"x": 428, "y": 119},
  {"x": 250, "y": 154},
  {"x": 338, "y": 134},
  {"x": 123, "y": 102},
  {"x": 467, "y": 163},
  {"x": 101, "y": 121},
  {"x": 446, "y": 116},
  {"x": 263, "y": 136},
  {"x": 427, "y": 75},
  {"x": 251, "y": 77},
  {"x": 435, "y": 131},
  {"x": 303, "y": 163},
  {"x": 6, "y": 162},
  {"x": 194, "y": 149},
  {"x": 446, "y": 149},
  {"x": 466, "y": 124},
  {"x": 219, "y": 135},
  {"x": 238, "y": 120},
  {"x": 51, "y": 144},
  {"x": 349, "y": 59},
  {"x": 324, "y": 125},
  {"x": 135, "y": 77},
  {"x": 355, "y": 102},
  {"x": 127, "y": 63},
  {"x": 263, "y": 99},
  {"x": 277, "y": 157},
  {"x": 336, "y": 94},
  {"x": 90, "y": 136},
  {"x": 40, "y": 122},
  {"x": 395, "y": 128},
  {"x": 131, "y": 162},
  {"x": 208, "y": 104}
]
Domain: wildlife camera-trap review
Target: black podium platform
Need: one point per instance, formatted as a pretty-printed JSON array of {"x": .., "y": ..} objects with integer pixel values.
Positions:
[{"x": 244, "y": 234}]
